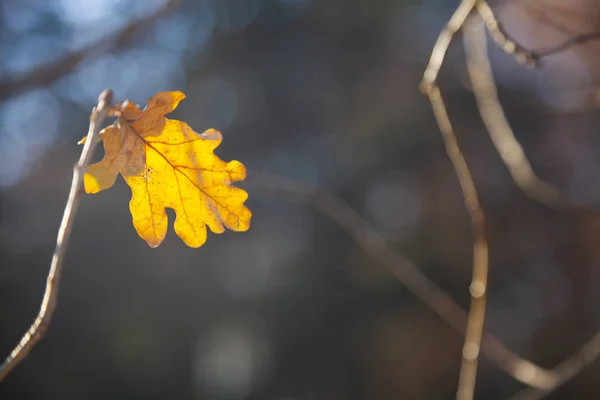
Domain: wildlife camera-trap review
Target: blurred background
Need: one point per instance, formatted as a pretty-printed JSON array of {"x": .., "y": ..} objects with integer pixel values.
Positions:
[{"x": 324, "y": 92}]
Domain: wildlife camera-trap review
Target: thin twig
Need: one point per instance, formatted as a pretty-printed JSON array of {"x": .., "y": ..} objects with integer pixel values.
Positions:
[
  {"x": 512, "y": 47},
  {"x": 438, "y": 54},
  {"x": 508, "y": 44},
  {"x": 40, "y": 325},
  {"x": 478, "y": 287},
  {"x": 498, "y": 127},
  {"x": 373, "y": 244},
  {"x": 53, "y": 71},
  {"x": 503, "y": 40},
  {"x": 566, "y": 370}
]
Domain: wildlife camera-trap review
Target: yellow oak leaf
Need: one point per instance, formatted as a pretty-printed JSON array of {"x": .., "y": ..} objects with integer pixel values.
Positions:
[{"x": 168, "y": 165}]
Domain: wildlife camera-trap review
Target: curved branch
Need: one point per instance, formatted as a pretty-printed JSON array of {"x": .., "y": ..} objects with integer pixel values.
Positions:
[
  {"x": 37, "y": 330},
  {"x": 512, "y": 47},
  {"x": 498, "y": 127},
  {"x": 373, "y": 244},
  {"x": 504, "y": 40},
  {"x": 478, "y": 287},
  {"x": 438, "y": 54}
]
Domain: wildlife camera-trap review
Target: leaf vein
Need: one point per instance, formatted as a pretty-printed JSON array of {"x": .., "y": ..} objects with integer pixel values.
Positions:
[{"x": 149, "y": 144}]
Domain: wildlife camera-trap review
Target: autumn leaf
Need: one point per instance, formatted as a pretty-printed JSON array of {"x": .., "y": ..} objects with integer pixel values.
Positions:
[{"x": 168, "y": 165}]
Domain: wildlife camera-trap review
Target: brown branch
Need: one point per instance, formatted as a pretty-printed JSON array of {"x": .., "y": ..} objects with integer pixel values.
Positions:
[
  {"x": 476, "y": 316},
  {"x": 373, "y": 244},
  {"x": 478, "y": 287},
  {"x": 442, "y": 43},
  {"x": 503, "y": 40},
  {"x": 498, "y": 127},
  {"x": 40, "y": 325},
  {"x": 492, "y": 113},
  {"x": 511, "y": 152},
  {"x": 512, "y": 47},
  {"x": 46, "y": 74},
  {"x": 513, "y": 156}
]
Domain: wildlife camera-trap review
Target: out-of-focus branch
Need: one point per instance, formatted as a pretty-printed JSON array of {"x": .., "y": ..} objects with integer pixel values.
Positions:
[
  {"x": 521, "y": 54},
  {"x": 478, "y": 287},
  {"x": 454, "y": 25},
  {"x": 508, "y": 44},
  {"x": 513, "y": 156},
  {"x": 498, "y": 127},
  {"x": 486, "y": 95},
  {"x": 566, "y": 370},
  {"x": 373, "y": 244},
  {"x": 40, "y": 325},
  {"x": 53, "y": 71}
]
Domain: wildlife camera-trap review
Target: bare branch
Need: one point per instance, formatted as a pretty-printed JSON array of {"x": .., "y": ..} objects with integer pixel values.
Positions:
[
  {"x": 40, "y": 325},
  {"x": 478, "y": 287},
  {"x": 49, "y": 73},
  {"x": 510, "y": 46},
  {"x": 498, "y": 127},
  {"x": 492, "y": 113},
  {"x": 503, "y": 40},
  {"x": 373, "y": 244},
  {"x": 443, "y": 42}
]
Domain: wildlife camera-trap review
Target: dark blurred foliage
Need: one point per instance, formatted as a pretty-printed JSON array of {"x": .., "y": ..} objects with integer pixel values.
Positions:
[{"x": 324, "y": 92}]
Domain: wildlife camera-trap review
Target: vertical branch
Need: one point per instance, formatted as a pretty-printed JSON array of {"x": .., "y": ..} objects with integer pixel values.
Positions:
[
  {"x": 512, "y": 154},
  {"x": 474, "y": 331},
  {"x": 37, "y": 330},
  {"x": 475, "y": 339}
]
